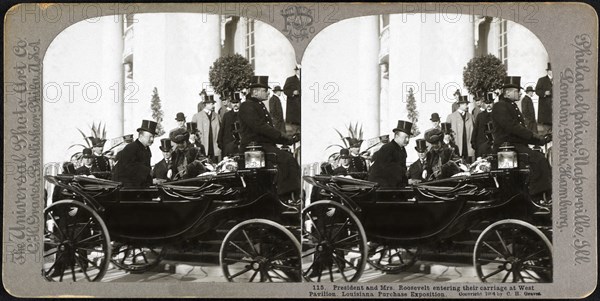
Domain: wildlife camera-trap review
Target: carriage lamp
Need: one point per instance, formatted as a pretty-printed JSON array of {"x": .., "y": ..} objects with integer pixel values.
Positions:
[
  {"x": 254, "y": 157},
  {"x": 507, "y": 156}
]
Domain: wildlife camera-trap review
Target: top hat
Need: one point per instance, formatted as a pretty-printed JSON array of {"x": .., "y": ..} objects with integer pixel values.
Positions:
[
  {"x": 446, "y": 127},
  {"x": 128, "y": 138},
  {"x": 298, "y": 67},
  {"x": 353, "y": 142},
  {"x": 165, "y": 145},
  {"x": 87, "y": 153},
  {"x": 148, "y": 126},
  {"x": 179, "y": 135},
  {"x": 191, "y": 127},
  {"x": 344, "y": 153},
  {"x": 209, "y": 99},
  {"x": 512, "y": 82},
  {"x": 97, "y": 142},
  {"x": 433, "y": 136},
  {"x": 180, "y": 117},
  {"x": 549, "y": 67},
  {"x": 236, "y": 97},
  {"x": 489, "y": 97},
  {"x": 68, "y": 168},
  {"x": 435, "y": 117},
  {"x": 529, "y": 89},
  {"x": 277, "y": 88},
  {"x": 259, "y": 81},
  {"x": 421, "y": 145},
  {"x": 463, "y": 99},
  {"x": 384, "y": 138},
  {"x": 403, "y": 126}
]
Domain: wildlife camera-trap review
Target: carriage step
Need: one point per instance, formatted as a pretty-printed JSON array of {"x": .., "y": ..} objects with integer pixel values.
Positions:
[{"x": 464, "y": 243}]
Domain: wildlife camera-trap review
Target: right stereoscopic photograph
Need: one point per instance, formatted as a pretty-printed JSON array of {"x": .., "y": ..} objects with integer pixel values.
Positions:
[{"x": 427, "y": 151}]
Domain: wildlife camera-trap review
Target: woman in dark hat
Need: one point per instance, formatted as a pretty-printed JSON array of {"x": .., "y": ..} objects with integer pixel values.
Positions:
[
  {"x": 186, "y": 159},
  {"x": 438, "y": 160},
  {"x": 389, "y": 163},
  {"x": 133, "y": 168}
]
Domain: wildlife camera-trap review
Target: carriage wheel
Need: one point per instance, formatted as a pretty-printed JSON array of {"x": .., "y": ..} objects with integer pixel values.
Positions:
[
  {"x": 514, "y": 251},
  {"x": 334, "y": 243},
  {"x": 259, "y": 250},
  {"x": 76, "y": 243},
  {"x": 393, "y": 259},
  {"x": 137, "y": 259}
]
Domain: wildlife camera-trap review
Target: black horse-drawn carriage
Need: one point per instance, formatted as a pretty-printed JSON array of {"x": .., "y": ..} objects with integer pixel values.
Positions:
[
  {"x": 93, "y": 222},
  {"x": 487, "y": 211}
]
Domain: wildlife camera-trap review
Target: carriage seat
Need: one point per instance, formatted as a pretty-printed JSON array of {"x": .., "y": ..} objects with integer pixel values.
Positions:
[
  {"x": 95, "y": 184},
  {"x": 348, "y": 184}
]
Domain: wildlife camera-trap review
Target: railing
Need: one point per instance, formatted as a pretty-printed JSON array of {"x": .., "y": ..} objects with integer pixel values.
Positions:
[{"x": 50, "y": 169}]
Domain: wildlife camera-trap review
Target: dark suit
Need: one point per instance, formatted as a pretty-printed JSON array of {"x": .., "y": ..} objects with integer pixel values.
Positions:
[
  {"x": 479, "y": 141},
  {"x": 225, "y": 138},
  {"x": 277, "y": 113},
  {"x": 509, "y": 126},
  {"x": 256, "y": 125},
  {"x": 437, "y": 162},
  {"x": 389, "y": 166},
  {"x": 160, "y": 170},
  {"x": 529, "y": 113},
  {"x": 133, "y": 168},
  {"x": 293, "y": 101},
  {"x": 545, "y": 102},
  {"x": 415, "y": 171}
]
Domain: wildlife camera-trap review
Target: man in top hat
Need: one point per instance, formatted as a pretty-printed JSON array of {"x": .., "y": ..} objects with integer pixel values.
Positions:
[
  {"x": 102, "y": 167},
  {"x": 509, "y": 126},
  {"x": 528, "y": 110},
  {"x": 462, "y": 124},
  {"x": 133, "y": 168},
  {"x": 161, "y": 169},
  {"x": 479, "y": 104},
  {"x": 186, "y": 160},
  {"x": 194, "y": 137},
  {"x": 389, "y": 163},
  {"x": 88, "y": 163},
  {"x": 208, "y": 127},
  {"x": 291, "y": 88},
  {"x": 543, "y": 89},
  {"x": 225, "y": 105},
  {"x": 479, "y": 140},
  {"x": 449, "y": 138},
  {"x": 439, "y": 162},
  {"x": 415, "y": 171},
  {"x": 256, "y": 126},
  {"x": 228, "y": 137},
  {"x": 276, "y": 104}
]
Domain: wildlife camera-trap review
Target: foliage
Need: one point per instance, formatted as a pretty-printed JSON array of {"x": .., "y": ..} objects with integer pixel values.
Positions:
[
  {"x": 230, "y": 73},
  {"x": 96, "y": 132},
  {"x": 157, "y": 112},
  {"x": 353, "y": 132},
  {"x": 483, "y": 74},
  {"x": 413, "y": 114}
]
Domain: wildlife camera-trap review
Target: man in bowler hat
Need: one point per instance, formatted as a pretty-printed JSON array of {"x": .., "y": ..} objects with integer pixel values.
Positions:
[
  {"x": 389, "y": 163},
  {"x": 228, "y": 137},
  {"x": 543, "y": 89},
  {"x": 509, "y": 126},
  {"x": 415, "y": 171},
  {"x": 256, "y": 125},
  {"x": 133, "y": 168},
  {"x": 161, "y": 169},
  {"x": 528, "y": 110}
]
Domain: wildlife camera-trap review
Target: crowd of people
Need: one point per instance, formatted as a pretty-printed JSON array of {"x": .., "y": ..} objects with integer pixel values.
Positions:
[
  {"x": 495, "y": 121},
  {"x": 252, "y": 115}
]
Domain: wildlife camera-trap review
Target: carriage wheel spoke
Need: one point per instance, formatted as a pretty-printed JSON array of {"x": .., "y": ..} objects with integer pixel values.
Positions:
[
  {"x": 57, "y": 226},
  {"x": 54, "y": 264},
  {"x": 348, "y": 238},
  {"x": 82, "y": 228},
  {"x": 346, "y": 261},
  {"x": 309, "y": 253},
  {"x": 234, "y": 260},
  {"x": 279, "y": 275},
  {"x": 493, "y": 273},
  {"x": 330, "y": 273},
  {"x": 339, "y": 230},
  {"x": 492, "y": 248},
  {"x": 506, "y": 277},
  {"x": 88, "y": 239},
  {"x": 51, "y": 253},
  {"x": 340, "y": 268},
  {"x": 281, "y": 254},
  {"x": 533, "y": 255},
  {"x": 73, "y": 272},
  {"x": 250, "y": 242},
  {"x": 253, "y": 276},
  {"x": 315, "y": 226},
  {"x": 84, "y": 270},
  {"x": 285, "y": 267},
  {"x": 248, "y": 268},
  {"x": 536, "y": 267},
  {"x": 530, "y": 275},
  {"x": 492, "y": 260},
  {"x": 503, "y": 243},
  {"x": 241, "y": 250}
]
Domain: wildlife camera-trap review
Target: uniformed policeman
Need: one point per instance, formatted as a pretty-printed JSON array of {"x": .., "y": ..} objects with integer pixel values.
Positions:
[
  {"x": 256, "y": 126},
  {"x": 509, "y": 126}
]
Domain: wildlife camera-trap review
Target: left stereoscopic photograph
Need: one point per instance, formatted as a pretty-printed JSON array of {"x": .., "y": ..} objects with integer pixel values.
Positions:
[{"x": 171, "y": 151}]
